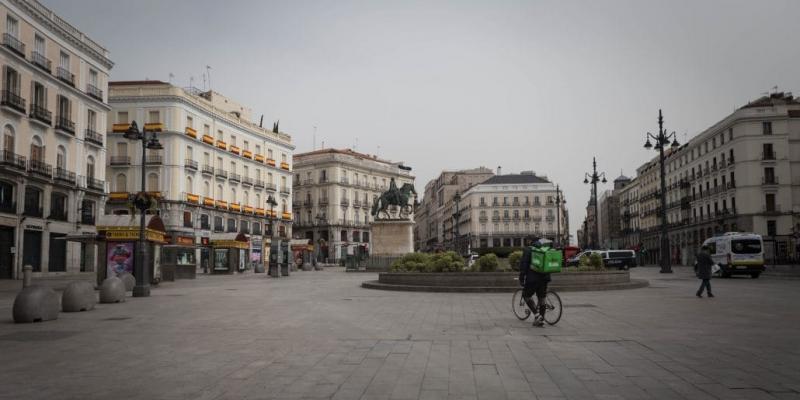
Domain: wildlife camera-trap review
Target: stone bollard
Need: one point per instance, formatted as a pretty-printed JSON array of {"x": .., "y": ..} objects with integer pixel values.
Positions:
[
  {"x": 27, "y": 272},
  {"x": 128, "y": 280},
  {"x": 112, "y": 290},
  {"x": 36, "y": 304},
  {"x": 78, "y": 296}
]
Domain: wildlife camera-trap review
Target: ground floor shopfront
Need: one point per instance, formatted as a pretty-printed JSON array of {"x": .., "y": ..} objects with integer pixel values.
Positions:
[{"x": 332, "y": 243}]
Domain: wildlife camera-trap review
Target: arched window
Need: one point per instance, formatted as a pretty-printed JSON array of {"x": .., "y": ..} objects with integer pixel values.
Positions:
[
  {"x": 246, "y": 198},
  {"x": 218, "y": 196},
  {"x": 90, "y": 167},
  {"x": 344, "y": 236},
  {"x": 283, "y": 205},
  {"x": 152, "y": 182},
  {"x": 258, "y": 200},
  {"x": 61, "y": 157},
  {"x": 37, "y": 149},
  {"x": 189, "y": 184},
  {"x": 206, "y": 189},
  {"x": 7, "y": 197},
  {"x": 233, "y": 195},
  {"x": 121, "y": 184},
  {"x": 8, "y": 138}
]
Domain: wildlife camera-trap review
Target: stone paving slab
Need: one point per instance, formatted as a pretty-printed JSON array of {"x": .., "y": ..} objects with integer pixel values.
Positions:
[{"x": 319, "y": 335}]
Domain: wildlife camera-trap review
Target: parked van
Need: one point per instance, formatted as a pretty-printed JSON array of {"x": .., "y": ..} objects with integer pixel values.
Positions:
[
  {"x": 620, "y": 259},
  {"x": 737, "y": 253}
]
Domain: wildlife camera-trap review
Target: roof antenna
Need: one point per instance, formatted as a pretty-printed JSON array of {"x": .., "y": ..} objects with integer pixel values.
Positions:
[{"x": 261, "y": 123}]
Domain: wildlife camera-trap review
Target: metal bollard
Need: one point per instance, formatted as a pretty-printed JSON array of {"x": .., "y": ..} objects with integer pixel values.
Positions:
[{"x": 27, "y": 271}]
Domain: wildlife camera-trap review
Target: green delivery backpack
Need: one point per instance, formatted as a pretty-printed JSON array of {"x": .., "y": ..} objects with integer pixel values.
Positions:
[{"x": 546, "y": 260}]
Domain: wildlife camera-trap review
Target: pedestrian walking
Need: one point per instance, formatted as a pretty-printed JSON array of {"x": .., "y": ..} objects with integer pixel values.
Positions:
[{"x": 703, "y": 265}]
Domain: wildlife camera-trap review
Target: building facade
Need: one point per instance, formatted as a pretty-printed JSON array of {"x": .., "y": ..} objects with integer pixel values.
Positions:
[
  {"x": 629, "y": 215},
  {"x": 53, "y": 107},
  {"x": 215, "y": 175},
  {"x": 610, "y": 217},
  {"x": 334, "y": 193},
  {"x": 505, "y": 209},
  {"x": 741, "y": 174},
  {"x": 434, "y": 218}
]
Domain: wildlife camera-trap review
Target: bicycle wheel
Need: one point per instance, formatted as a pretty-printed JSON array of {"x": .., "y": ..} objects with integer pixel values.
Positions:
[
  {"x": 553, "y": 308},
  {"x": 519, "y": 307}
]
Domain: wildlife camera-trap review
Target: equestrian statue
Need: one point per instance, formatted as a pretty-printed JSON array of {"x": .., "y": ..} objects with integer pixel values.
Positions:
[{"x": 395, "y": 203}]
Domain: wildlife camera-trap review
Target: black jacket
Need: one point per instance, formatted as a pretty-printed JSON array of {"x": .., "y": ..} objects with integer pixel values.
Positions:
[
  {"x": 527, "y": 275},
  {"x": 703, "y": 265}
]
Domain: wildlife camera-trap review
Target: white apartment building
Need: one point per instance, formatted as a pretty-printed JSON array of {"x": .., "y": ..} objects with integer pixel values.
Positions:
[
  {"x": 629, "y": 214},
  {"x": 53, "y": 106},
  {"x": 334, "y": 193},
  {"x": 741, "y": 174},
  {"x": 214, "y": 176},
  {"x": 505, "y": 209}
]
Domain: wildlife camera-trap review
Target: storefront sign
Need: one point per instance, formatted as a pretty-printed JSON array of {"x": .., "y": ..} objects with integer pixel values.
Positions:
[
  {"x": 128, "y": 234},
  {"x": 34, "y": 227},
  {"x": 230, "y": 244},
  {"x": 184, "y": 240},
  {"x": 119, "y": 258}
]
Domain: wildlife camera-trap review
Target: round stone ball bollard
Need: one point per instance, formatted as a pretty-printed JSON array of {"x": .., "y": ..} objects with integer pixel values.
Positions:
[
  {"x": 78, "y": 296},
  {"x": 112, "y": 290},
  {"x": 36, "y": 304},
  {"x": 128, "y": 280}
]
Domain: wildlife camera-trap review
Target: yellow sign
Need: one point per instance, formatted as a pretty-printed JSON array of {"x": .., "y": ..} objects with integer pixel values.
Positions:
[
  {"x": 115, "y": 233},
  {"x": 232, "y": 244}
]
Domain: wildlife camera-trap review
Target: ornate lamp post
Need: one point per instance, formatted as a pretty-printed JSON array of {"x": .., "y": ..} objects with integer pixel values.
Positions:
[
  {"x": 593, "y": 178},
  {"x": 273, "y": 272},
  {"x": 318, "y": 247},
  {"x": 662, "y": 140},
  {"x": 559, "y": 204},
  {"x": 142, "y": 202},
  {"x": 456, "y": 219}
]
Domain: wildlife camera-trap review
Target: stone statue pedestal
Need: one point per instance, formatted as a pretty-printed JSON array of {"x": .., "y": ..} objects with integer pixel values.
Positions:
[{"x": 391, "y": 239}]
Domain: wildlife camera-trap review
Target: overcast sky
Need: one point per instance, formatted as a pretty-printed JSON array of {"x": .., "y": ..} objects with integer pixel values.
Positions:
[{"x": 536, "y": 85}]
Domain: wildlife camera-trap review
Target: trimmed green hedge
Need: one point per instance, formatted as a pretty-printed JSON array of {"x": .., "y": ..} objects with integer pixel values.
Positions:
[{"x": 423, "y": 262}]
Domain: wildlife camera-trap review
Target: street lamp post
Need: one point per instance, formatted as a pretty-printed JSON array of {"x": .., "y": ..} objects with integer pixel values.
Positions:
[
  {"x": 662, "y": 139},
  {"x": 456, "y": 218},
  {"x": 142, "y": 203},
  {"x": 318, "y": 247},
  {"x": 593, "y": 178},
  {"x": 559, "y": 204},
  {"x": 272, "y": 248}
]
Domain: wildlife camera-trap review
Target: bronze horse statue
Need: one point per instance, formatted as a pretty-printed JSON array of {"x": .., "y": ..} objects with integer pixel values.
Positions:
[{"x": 394, "y": 197}]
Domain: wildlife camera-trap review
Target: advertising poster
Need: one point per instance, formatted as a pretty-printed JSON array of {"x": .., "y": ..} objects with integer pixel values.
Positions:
[
  {"x": 242, "y": 255},
  {"x": 119, "y": 258}
]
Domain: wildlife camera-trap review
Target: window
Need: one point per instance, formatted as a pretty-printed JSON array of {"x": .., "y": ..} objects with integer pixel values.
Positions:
[
  {"x": 772, "y": 227},
  {"x": 37, "y": 150},
  {"x": 91, "y": 120},
  {"x": 219, "y": 134},
  {"x": 218, "y": 226},
  {"x": 12, "y": 27},
  {"x": 8, "y": 138},
  {"x": 93, "y": 77},
  {"x": 64, "y": 108},
  {"x": 189, "y": 153},
  {"x": 63, "y": 61},
  {"x": 766, "y": 128},
  {"x": 122, "y": 117},
  {"x": 121, "y": 183},
  {"x": 152, "y": 182},
  {"x": 189, "y": 122},
  {"x": 11, "y": 80},
  {"x": 769, "y": 175},
  {"x": 231, "y": 225},
  {"x": 33, "y": 201},
  {"x": 768, "y": 153},
  {"x": 7, "y": 197},
  {"x": 122, "y": 149},
  {"x": 233, "y": 140},
  {"x": 269, "y": 154},
  {"x": 187, "y": 219},
  {"x": 206, "y": 130},
  {"x": 206, "y": 189},
  {"x": 39, "y": 95},
  {"x": 189, "y": 185},
  {"x": 153, "y": 117},
  {"x": 769, "y": 202},
  {"x": 730, "y": 134}
]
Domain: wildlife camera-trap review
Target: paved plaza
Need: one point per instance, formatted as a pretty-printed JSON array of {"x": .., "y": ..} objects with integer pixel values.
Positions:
[{"x": 318, "y": 335}]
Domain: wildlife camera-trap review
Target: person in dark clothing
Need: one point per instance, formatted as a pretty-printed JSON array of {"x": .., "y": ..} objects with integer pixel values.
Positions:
[
  {"x": 533, "y": 283},
  {"x": 703, "y": 268}
]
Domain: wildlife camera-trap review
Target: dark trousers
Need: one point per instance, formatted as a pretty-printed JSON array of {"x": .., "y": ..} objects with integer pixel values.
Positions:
[
  {"x": 540, "y": 289},
  {"x": 706, "y": 283}
]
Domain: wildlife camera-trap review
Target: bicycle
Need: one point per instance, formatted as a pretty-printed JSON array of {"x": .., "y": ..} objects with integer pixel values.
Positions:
[{"x": 552, "y": 304}]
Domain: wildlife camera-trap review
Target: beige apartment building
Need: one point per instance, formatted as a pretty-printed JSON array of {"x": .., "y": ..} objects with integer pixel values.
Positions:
[
  {"x": 53, "y": 108},
  {"x": 628, "y": 198},
  {"x": 213, "y": 179},
  {"x": 504, "y": 209},
  {"x": 741, "y": 174},
  {"x": 334, "y": 190},
  {"x": 434, "y": 217}
]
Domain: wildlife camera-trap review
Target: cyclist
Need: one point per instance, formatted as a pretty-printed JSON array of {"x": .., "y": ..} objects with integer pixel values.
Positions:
[{"x": 532, "y": 282}]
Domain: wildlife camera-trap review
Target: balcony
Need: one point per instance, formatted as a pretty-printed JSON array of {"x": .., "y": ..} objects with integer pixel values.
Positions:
[
  {"x": 235, "y": 150},
  {"x": 246, "y": 180},
  {"x": 221, "y": 204},
  {"x": 270, "y": 162},
  {"x": 94, "y": 92},
  {"x": 771, "y": 209},
  {"x": 119, "y": 160},
  {"x": 323, "y": 201},
  {"x": 95, "y": 184},
  {"x": 8, "y": 208},
  {"x": 260, "y": 211},
  {"x": 40, "y": 168},
  {"x": 207, "y": 169},
  {"x": 259, "y": 184},
  {"x": 154, "y": 159},
  {"x": 769, "y": 180},
  {"x": 191, "y": 132},
  {"x": 208, "y": 202},
  {"x": 218, "y": 228},
  {"x": 222, "y": 145},
  {"x": 344, "y": 181},
  {"x": 768, "y": 156},
  {"x": 58, "y": 214},
  {"x": 65, "y": 76},
  {"x": 259, "y": 158},
  {"x": 41, "y": 114},
  {"x": 66, "y": 125},
  {"x": 12, "y": 160},
  {"x": 344, "y": 202},
  {"x": 190, "y": 164},
  {"x": 248, "y": 209},
  {"x": 13, "y": 101},
  {"x": 33, "y": 211},
  {"x": 285, "y": 190},
  {"x": 285, "y": 166},
  {"x": 236, "y": 207},
  {"x": 286, "y": 215},
  {"x": 65, "y": 176},
  {"x": 93, "y": 137},
  {"x": 307, "y": 203},
  {"x": 731, "y": 185},
  {"x": 208, "y": 139},
  {"x": 234, "y": 177},
  {"x": 356, "y": 203},
  {"x": 270, "y": 186},
  {"x": 247, "y": 154},
  {"x": 221, "y": 173},
  {"x": 192, "y": 198},
  {"x": 14, "y": 44},
  {"x": 323, "y": 179}
]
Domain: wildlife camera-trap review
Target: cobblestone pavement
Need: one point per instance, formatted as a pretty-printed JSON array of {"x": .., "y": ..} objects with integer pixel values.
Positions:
[{"x": 319, "y": 335}]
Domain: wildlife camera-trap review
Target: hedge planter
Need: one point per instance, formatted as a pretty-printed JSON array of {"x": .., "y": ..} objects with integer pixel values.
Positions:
[{"x": 499, "y": 281}]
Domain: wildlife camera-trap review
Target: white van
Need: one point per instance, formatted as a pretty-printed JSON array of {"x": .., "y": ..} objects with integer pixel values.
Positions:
[{"x": 737, "y": 253}]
